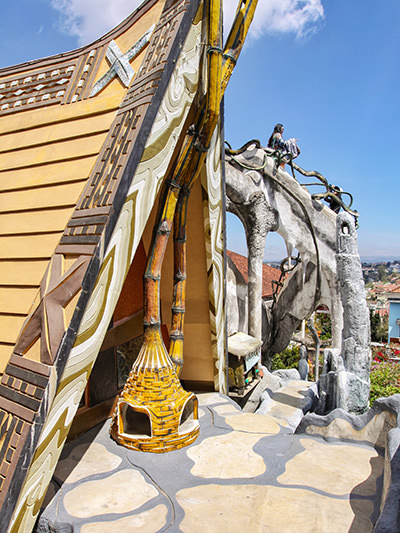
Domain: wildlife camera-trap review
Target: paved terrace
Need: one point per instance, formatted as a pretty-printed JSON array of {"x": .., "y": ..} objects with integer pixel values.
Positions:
[{"x": 246, "y": 472}]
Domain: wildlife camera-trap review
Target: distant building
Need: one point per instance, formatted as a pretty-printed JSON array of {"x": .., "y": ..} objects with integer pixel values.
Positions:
[
  {"x": 370, "y": 274},
  {"x": 270, "y": 274},
  {"x": 236, "y": 281},
  {"x": 394, "y": 314}
]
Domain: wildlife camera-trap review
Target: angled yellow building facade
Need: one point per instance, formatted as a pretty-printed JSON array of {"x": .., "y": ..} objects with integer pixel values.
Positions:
[{"x": 87, "y": 139}]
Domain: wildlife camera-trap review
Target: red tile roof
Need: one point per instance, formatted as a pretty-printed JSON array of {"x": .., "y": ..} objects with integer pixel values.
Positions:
[
  {"x": 394, "y": 288},
  {"x": 269, "y": 273}
]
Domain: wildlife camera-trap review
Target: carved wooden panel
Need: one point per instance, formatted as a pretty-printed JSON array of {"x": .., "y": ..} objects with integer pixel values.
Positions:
[
  {"x": 86, "y": 68},
  {"x": 102, "y": 184},
  {"x": 72, "y": 80},
  {"x": 68, "y": 83},
  {"x": 40, "y": 88},
  {"x": 22, "y": 391},
  {"x": 100, "y": 189}
]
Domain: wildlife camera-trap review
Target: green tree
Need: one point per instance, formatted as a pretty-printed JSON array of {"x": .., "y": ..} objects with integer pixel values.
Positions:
[
  {"x": 379, "y": 327},
  {"x": 324, "y": 325},
  {"x": 382, "y": 272},
  {"x": 383, "y": 329}
]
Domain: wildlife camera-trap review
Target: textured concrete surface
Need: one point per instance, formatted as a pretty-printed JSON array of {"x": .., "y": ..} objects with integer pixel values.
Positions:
[{"x": 245, "y": 472}]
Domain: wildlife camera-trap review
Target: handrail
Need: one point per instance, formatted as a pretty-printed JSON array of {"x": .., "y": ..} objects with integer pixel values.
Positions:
[{"x": 292, "y": 263}]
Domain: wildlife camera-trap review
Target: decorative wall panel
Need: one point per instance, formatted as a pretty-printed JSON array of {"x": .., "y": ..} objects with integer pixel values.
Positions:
[{"x": 125, "y": 204}]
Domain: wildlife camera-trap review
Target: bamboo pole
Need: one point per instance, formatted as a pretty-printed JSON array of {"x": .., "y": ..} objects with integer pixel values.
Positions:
[
  {"x": 184, "y": 174},
  {"x": 154, "y": 365},
  {"x": 178, "y": 304},
  {"x": 219, "y": 73},
  {"x": 220, "y": 65}
]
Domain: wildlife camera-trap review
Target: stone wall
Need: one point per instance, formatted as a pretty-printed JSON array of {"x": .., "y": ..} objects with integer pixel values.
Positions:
[{"x": 379, "y": 426}]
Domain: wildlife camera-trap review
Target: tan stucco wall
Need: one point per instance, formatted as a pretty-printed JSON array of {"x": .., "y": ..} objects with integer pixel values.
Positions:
[{"x": 198, "y": 363}]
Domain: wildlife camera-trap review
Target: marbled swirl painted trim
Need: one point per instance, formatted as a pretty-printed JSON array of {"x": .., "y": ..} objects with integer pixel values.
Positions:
[
  {"x": 117, "y": 259},
  {"x": 212, "y": 192}
]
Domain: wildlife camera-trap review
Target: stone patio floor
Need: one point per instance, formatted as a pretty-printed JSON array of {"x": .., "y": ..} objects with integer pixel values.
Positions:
[{"x": 245, "y": 472}]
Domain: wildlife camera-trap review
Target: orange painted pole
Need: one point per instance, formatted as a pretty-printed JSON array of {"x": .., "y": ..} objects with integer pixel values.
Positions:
[
  {"x": 178, "y": 305},
  {"x": 187, "y": 168}
]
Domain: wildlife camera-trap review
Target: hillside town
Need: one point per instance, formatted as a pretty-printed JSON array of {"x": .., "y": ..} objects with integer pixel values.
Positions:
[
  {"x": 381, "y": 271},
  {"x": 382, "y": 285}
]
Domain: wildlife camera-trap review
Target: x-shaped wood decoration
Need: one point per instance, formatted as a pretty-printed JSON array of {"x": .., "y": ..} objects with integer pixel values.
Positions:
[
  {"x": 47, "y": 320},
  {"x": 120, "y": 63}
]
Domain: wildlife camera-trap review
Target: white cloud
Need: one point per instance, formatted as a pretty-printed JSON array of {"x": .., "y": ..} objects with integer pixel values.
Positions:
[
  {"x": 300, "y": 17},
  {"x": 90, "y": 19}
]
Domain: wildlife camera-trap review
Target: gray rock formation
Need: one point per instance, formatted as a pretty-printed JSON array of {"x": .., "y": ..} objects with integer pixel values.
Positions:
[
  {"x": 236, "y": 299},
  {"x": 246, "y": 199},
  {"x": 303, "y": 364},
  {"x": 267, "y": 384},
  {"x": 287, "y": 374},
  {"x": 47, "y": 526},
  {"x": 345, "y": 381},
  {"x": 267, "y": 198}
]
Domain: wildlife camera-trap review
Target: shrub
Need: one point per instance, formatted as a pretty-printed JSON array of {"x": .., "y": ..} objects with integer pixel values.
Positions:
[
  {"x": 379, "y": 327},
  {"x": 385, "y": 377},
  {"x": 289, "y": 358}
]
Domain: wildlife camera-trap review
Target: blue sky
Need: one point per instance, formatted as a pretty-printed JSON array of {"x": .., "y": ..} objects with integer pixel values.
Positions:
[{"x": 328, "y": 70}]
